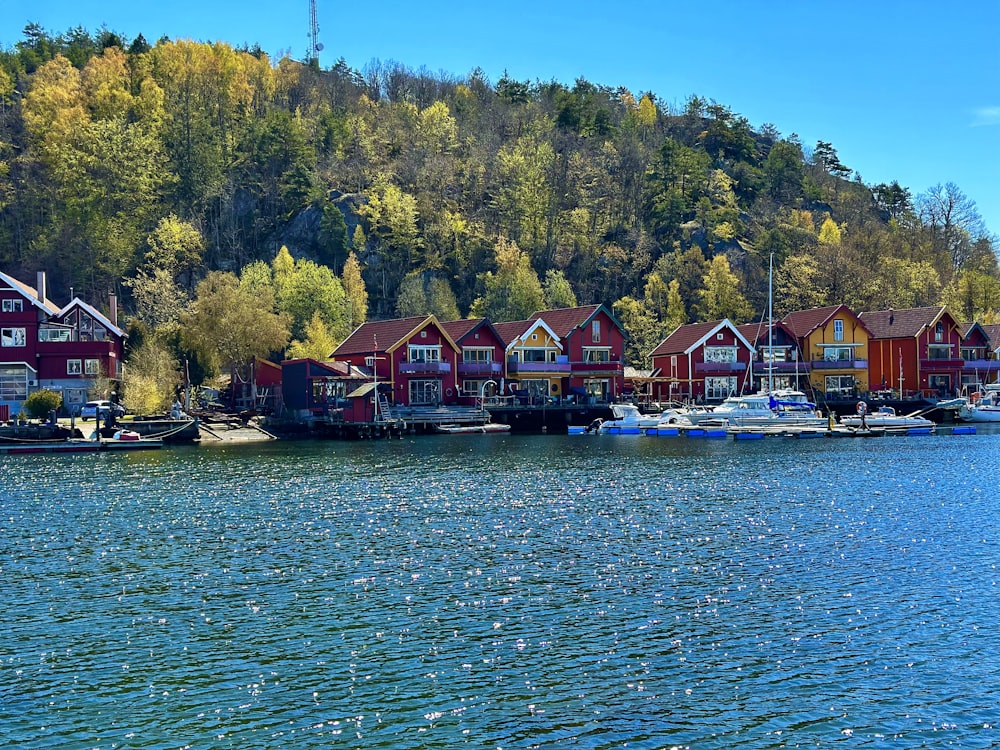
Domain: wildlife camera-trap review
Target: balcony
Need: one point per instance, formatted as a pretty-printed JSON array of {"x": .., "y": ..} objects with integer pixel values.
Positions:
[
  {"x": 839, "y": 364},
  {"x": 980, "y": 365},
  {"x": 538, "y": 368},
  {"x": 781, "y": 368},
  {"x": 942, "y": 364},
  {"x": 480, "y": 369},
  {"x": 424, "y": 368},
  {"x": 719, "y": 367},
  {"x": 581, "y": 369}
]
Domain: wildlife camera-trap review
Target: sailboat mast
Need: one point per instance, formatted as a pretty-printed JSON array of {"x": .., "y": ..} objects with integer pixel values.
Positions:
[{"x": 770, "y": 326}]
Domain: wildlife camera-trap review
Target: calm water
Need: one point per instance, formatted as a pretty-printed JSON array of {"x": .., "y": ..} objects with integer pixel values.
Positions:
[{"x": 504, "y": 592}]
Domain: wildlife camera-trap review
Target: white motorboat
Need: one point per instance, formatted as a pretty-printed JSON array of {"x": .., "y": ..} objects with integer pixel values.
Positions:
[
  {"x": 978, "y": 407},
  {"x": 626, "y": 419},
  {"x": 885, "y": 418},
  {"x": 762, "y": 409}
]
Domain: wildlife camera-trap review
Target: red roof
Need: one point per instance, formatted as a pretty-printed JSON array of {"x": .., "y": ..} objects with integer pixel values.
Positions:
[
  {"x": 684, "y": 337},
  {"x": 993, "y": 333},
  {"x": 511, "y": 330},
  {"x": 563, "y": 320},
  {"x": 803, "y": 322},
  {"x": 756, "y": 333},
  {"x": 384, "y": 335},
  {"x": 898, "y": 324}
]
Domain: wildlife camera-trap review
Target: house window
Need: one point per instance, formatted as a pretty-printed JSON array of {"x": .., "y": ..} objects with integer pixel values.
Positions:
[
  {"x": 12, "y": 336},
  {"x": 91, "y": 367},
  {"x": 839, "y": 386},
  {"x": 939, "y": 332},
  {"x": 838, "y": 354},
  {"x": 970, "y": 354},
  {"x": 423, "y": 334},
  {"x": 720, "y": 354},
  {"x": 596, "y": 355},
  {"x": 13, "y": 305},
  {"x": 596, "y": 389},
  {"x": 369, "y": 361},
  {"x": 838, "y": 330},
  {"x": 938, "y": 352},
  {"x": 74, "y": 367},
  {"x": 425, "y": 392},
  {"x": 719, "y": 388},
  {"x": 51, "y": 334},
  {"x": 13, "y": 383},
  {"x": 941, "y": 383},
  {"x": 424, "y": 353},
  {"x": 595, "y": 331},
  {"x": 477, "y": 354},
  {"x": 475, "y": 387}
]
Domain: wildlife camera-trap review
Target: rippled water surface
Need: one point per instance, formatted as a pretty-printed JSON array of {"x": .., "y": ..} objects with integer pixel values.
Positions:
[{"x": 504, "y": 592}]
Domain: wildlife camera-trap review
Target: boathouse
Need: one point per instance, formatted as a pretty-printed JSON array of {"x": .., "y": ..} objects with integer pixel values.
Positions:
[
  {"x": 480, "y": 361},
  {"x": 915, "y": 351},
  {"x": 415, "y": 356},
  {"x": 66, "y": 350},
  {"x": 593, "y": 344},
  {"x": 702, "y": 362},
  {"x": 834, "y": 344},
  {"x": 980, "y": 365},
  {"x": 777, "y": 361}
]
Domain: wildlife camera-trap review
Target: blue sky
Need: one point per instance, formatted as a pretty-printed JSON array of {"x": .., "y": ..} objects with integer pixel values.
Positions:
[{"x": 906, "y": 91}]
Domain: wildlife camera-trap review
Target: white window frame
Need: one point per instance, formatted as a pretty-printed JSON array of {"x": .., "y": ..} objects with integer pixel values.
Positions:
[
  {"x": 91, "y": 367},
  {"x": 13, "y": 337},
  {"x": 418, "y": 353},
  {"x": 720, "y": 387},
  {"x": 13, "y": 305},
  {"x": 838, "y": 330},
  {"x": 74, "y": 367},
  {"x": 480, "y": 354},
  {"x": 597, "y": 354},
  {"x": 595, "y": 331}
]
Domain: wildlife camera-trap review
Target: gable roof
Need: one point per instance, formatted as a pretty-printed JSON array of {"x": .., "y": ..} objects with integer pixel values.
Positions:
[
  {"x": 897, "y": 324},
  {"x": 387, "y": 335},
  {"x": 993, "y": 334},
  {"x": 534, "y": 325},
  {"x": 563, "y": 320},
  {"x": 688, "y": 337},
  {"x": 459, "y": 329},
  {"x": 30, "y": 293},
  {"x": 510, "y": 330},
  {"x": 803, "y": 322},
  {"x": 94, "y": 313},
  {"x": 757, "y": 332},
  {"x": 965, "y": 330}
]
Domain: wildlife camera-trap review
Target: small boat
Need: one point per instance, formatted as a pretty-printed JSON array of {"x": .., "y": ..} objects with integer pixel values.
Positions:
[
  {"x": 762, "y": 409},
  {"x": 461, "y": 429},
  {"x": 626, "y": 419},
  {"x": 885, "y": 418},
  {"x": 981, "y": 406}
]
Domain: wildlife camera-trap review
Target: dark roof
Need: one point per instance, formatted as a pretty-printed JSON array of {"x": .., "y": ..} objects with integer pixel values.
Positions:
[
  {"x": 387, "y": 333},
  {"x": 563, "y": 320},
  {"x": 511, "y": 329},
  {"x": 803, "y": 322},
  {"x": 993, "y": 333},
  {"x": 756, "y": 333},
  {"x": 459, "y": 329},
  {"x": 898, "y": 324},
  {"x": 684, "y": 337}
]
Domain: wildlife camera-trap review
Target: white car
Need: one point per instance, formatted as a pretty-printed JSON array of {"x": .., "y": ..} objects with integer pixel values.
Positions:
[{"x": 95, "y": 410}]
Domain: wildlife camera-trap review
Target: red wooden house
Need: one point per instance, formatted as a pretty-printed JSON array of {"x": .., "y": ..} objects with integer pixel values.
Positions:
[
  {"x": 702, "y": 362},
  {"x": 66, "y": 350},
  {"x": 415, "y": 356},
  {"x": 915, "y": 350},
  {"x": 778, "y": 362},
  {"x": 981, "y": 365},
  {"x": 322, "y": 390},
  {"x": 481, "y": 359},
  {"x": 593, "y": 343}
]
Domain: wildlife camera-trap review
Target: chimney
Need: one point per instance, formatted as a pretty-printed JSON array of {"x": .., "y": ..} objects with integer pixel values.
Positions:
[
  {"x": 40, "y": 286},
  {"x": 113, "y": 307}
]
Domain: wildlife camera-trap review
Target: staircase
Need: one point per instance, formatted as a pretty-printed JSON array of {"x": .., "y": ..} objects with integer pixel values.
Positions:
[{"x": 384, "y": 411}]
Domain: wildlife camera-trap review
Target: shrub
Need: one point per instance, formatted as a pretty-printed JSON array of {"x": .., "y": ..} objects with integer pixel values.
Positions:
[{"x": 40, "y": 403}]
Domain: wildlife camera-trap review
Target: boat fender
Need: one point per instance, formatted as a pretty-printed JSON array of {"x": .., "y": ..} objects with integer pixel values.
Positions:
[
  {"x": 595, "y": 424},
  {"x": 448, "y": 392}
]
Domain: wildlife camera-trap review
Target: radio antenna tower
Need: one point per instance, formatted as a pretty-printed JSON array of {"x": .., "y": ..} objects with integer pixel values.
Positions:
[{"x": 315, "y": 46}]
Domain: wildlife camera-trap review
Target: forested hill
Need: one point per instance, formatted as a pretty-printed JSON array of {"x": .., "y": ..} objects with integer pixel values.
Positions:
[{"x": 125, "y": 164}]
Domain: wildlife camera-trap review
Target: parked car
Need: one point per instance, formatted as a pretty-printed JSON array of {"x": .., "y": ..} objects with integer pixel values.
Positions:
[{"x": 95, "y": 410}]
